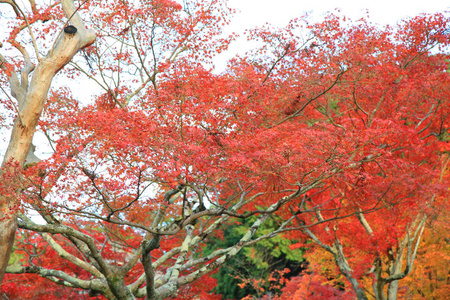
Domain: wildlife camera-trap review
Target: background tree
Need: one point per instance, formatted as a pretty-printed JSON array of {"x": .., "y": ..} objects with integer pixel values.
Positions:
[
  {"x": 259, "y": 269},
  {"x": 430, "y": 278},
  {"x": 333, "y": 124}
]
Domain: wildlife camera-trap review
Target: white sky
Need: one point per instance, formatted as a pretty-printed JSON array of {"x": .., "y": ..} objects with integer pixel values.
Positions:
[
  {"x": 279, "y": 12},
  {"x": 253, "y": 13}
]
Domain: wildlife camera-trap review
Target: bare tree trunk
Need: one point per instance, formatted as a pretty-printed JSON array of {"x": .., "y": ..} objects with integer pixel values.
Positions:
[
  {"x": 8, "y": 225},
  {"x": 31, "y": 100}
]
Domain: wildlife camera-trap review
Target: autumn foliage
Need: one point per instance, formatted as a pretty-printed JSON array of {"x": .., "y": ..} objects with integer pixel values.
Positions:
[{"x": 338, "y": 128}]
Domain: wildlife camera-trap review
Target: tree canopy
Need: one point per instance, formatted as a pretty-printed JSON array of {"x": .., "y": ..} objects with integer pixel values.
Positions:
[{"x": 337, "y": 129}]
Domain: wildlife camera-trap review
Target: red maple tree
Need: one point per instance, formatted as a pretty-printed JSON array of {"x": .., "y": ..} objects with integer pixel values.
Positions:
[{"x": 335, "y": 124}]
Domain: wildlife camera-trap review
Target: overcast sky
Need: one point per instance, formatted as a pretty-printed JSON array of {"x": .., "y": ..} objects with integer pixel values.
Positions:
[
  {"x": 253, "y": 13},
  {"x": 279, "y": 12}
]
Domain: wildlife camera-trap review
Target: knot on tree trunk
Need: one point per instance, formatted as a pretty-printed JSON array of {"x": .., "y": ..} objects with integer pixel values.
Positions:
[{"x": 70, "y": 29}]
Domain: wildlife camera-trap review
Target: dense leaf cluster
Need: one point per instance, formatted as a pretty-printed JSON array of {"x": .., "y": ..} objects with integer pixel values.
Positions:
[{"x": 329, "y": 136}]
